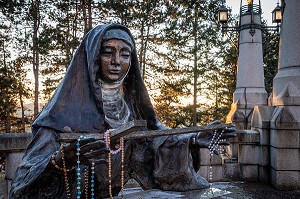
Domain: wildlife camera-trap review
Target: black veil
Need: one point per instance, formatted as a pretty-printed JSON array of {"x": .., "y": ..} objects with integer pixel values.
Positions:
[{"x": 77, "y": 101}]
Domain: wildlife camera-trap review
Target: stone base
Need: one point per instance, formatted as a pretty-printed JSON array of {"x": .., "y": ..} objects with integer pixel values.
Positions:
[
  {"x": 264, "y": 174},
  {"x": 239, "y": 116},
  {"x": 285, "y": 147},
  {"x": 135, "y": 193},
  {"x": 285, "y": 180}
]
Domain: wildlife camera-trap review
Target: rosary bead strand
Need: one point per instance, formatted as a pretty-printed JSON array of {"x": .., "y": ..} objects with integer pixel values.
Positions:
[
  {"x": 93, "y": 180},
  {"x": 113, "y": 152},
  {"x": 86, "y": 181},
  {"x": 78, "y": 167},
  {"x": 122, "y": 163},
  {"x": 65, "y": 172},
  {"x": 58, "y": 167},
  {"x": 109, "y": 163}
]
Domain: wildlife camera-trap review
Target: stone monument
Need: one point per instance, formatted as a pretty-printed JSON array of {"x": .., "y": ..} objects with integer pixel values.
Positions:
[
  {"x": 279, "y": 123},
  {"x": 250, "y": 87},
  {"x": 285, "y": 122}
]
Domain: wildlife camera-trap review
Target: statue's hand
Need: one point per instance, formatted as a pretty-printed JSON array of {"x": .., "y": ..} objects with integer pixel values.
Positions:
[
  {"x": 91, "y": 150},
  {"x": 204, "y": 139}
]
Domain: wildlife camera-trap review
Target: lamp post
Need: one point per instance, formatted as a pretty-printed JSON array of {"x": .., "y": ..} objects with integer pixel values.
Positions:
[
  {"x": 223, "y": 14},
  {"x": 223, "y": 17},
  {"x": 277, "y": 14}
]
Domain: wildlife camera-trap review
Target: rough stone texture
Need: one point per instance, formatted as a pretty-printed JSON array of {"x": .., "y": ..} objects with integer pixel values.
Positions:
[
  {"x": 264, "y": 136},
  {"x": 206, "y": 160},
  {"x": 260, "y": 122},
  {"x": 285, "y": 138},
  {"x": 12, "y": 162},
  {"x": 286, "y": 117},
  {"x": 246, "y": 137},
  {"x": 13, "y": 145},
  {"x": 238, "y": 115},
  {"x": 285, "y": 123},
  {"x": 232, "y": 171},
  {"x": 289, "y": 39},
  {"x": 217, "y": 172},
  {"x": 249, "y": 172},
  {"x": 261, "y": 117},
  {"x": 221, "y": 173},
  {"x": 14, "y": 141},
  {"x": 264, "y": 156},
  {"x": 254, "y": 154},
  {"x": 243, "y": 137},
  {"x": 285, "y": 180},
  {"x": 250, "y": 61},
  {"x": 264, "y": 174},
  {"x": 237, "y": 190},
  {"x": 249, "y": 154},
  {"x": 285, "y": 159},
  {"x": 289, "y": 92},
  {"x": 287, "y": 81},
  {"x": 3, "y": 189},
  {"x": 159, "y": 194}
]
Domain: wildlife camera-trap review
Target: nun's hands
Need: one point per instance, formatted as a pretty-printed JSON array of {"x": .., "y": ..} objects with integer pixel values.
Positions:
[
  {"x": 204, "y": 139},
  {"x": 90, "y": 150}
]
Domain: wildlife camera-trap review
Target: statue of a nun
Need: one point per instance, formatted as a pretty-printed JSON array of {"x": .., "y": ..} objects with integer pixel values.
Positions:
[{"x": 103, "y": 89}]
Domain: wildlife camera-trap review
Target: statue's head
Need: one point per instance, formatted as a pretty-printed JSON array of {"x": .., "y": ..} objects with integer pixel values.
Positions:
[{"x": 115, "y": 55}]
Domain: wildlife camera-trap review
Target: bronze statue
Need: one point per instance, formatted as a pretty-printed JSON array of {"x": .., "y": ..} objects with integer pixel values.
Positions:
[{"x": 103, "y": 89}]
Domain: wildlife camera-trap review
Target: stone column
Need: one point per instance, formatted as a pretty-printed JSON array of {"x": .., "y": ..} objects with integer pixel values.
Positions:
[
  {"x": 285, "y": 123},
  {"x": 250, "y": 87}
]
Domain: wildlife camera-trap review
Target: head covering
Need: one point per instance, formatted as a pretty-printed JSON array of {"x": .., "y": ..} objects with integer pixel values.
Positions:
[
  {"x": 118, "y": 34},
  {"x": 77, "y": 101}
]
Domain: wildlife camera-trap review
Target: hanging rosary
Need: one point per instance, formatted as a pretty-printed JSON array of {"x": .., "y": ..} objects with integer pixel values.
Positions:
[
  {"x": 214, "y": 146},
  {"x": 86, "y": 169},
  {"x": 114, "y": 152}
]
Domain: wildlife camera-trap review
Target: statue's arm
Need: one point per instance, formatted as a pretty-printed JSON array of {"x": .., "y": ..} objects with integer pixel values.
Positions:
[{"x": 36, "y": 167}]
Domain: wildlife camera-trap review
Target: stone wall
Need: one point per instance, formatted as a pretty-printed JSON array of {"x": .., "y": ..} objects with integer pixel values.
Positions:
[
  {"x": 260, "y": 154},
  {"x": 247, "y": 166},
  {"x": 12, "y": 146}
]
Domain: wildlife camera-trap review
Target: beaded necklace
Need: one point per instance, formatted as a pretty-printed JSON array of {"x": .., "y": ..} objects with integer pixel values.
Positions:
[
  {"x": 114, "y": 152},
  {"x": 86, "y": 169},
  {"x": 78, "y": 167}
]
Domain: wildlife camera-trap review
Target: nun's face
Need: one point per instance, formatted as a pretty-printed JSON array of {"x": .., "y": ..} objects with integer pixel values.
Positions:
[{"x": 115, "y": 60}]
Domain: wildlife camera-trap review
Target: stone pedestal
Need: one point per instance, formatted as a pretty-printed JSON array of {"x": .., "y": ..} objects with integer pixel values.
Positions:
[
  {"x": 285, "y": 123},
  {"x": 250, "y": 88},
  {"x": 285, "y": 147},
  {"x": 261, "y": 122}
]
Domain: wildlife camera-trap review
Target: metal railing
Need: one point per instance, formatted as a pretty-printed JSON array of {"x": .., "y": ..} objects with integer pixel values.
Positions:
[{"x": 247, "y": 9}]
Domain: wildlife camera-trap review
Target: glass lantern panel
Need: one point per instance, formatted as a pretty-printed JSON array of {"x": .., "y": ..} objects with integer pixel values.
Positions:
[
  {"x": 223, "y": 16},
  {"x": 278, "y": 15}
]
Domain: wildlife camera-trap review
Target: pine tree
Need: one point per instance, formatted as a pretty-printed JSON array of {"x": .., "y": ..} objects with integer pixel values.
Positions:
[
  {"x": 7, "y": 101},
  {"x": 13, "y": 70},
  {"x": 271, "y": 51},
  {"x": 191, "y": 40}
]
